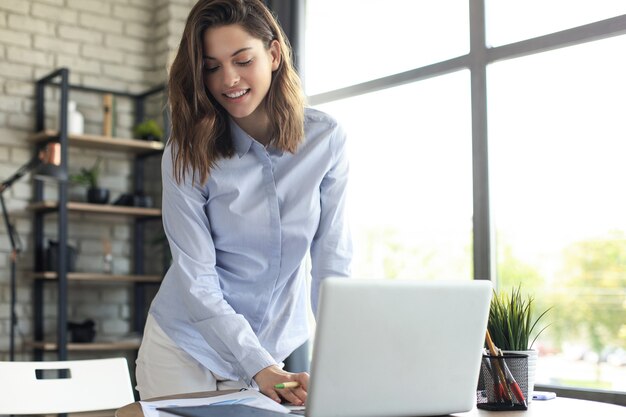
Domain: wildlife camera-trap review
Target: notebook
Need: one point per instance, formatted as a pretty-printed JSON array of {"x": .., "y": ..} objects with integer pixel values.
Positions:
[
  {"x": 232, "y": 410},
  {"x": 397, "y": 348}
]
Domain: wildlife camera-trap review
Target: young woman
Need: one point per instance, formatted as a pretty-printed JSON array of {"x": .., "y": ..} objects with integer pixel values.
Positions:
[{"x": 252, "y": 183}]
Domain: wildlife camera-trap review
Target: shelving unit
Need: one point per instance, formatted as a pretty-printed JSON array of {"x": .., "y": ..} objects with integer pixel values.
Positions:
[
  {"x": 61, "y": 208},
  {"x": 100, "y": 277},
  {"x": 86, "y": 347},
  {"x": 101, "y": 142},
  {"x": 72, "y": 206}
]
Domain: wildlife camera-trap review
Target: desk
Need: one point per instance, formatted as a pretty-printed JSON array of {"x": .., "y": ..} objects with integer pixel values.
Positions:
[{"x": 559, "y": 407}]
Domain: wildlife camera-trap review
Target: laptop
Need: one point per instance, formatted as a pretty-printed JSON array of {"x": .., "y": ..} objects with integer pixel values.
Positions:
[{"x": 397, "y": 348}]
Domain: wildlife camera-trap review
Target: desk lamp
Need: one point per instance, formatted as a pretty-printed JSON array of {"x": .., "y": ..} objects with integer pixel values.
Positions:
[{"x": 46, "y": 164}]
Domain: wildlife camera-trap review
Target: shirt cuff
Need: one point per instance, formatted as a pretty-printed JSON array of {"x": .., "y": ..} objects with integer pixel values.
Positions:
[{"x": 255, "y": 362}]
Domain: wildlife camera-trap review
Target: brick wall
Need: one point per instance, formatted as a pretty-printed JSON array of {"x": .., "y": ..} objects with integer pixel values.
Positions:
[{"x": 113, "y": 44}]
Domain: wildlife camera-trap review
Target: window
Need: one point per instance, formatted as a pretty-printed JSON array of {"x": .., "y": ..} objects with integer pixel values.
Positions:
[
  {"x": 411, "y": 197},
  {"x": 556, "y": 144},
  {"x": 351, "y": 41},
  {"x": 513, "y": 21}
]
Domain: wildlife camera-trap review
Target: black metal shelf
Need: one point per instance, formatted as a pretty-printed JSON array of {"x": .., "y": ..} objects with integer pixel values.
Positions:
[
  {"x": 97, "y": 277},
  {"x": 108, "y": 143},
  {"x": 86, "y": 347},
  {"x": 61, "y": 207},
  {"x": 104, "y": 209}
]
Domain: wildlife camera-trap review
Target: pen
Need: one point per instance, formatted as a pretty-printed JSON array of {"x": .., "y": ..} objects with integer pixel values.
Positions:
[
  {"x": 498, "y": 387},
  {"x": 498, "y": 370},
  {"x": 519, "y": 395},
  {"x": 291, "y": 384}
]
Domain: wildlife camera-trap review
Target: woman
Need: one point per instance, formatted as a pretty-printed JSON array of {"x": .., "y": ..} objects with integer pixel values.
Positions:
[{"x": 252, "y": 183}]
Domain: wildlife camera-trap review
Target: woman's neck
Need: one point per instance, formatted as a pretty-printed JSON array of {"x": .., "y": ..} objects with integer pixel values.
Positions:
[{"x": 257, "y": 126}]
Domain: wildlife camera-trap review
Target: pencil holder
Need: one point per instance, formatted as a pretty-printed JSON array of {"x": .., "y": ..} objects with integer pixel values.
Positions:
[{"x": 502, "y": 382}]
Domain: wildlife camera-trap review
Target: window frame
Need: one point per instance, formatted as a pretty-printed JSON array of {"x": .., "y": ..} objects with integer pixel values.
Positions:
[{"x": 477, "y": 60}]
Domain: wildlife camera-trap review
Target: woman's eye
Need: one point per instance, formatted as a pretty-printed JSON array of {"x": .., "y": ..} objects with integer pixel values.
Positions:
[
  {"x": 210, "y": 69},
  {"x": 244, "y": 63}
]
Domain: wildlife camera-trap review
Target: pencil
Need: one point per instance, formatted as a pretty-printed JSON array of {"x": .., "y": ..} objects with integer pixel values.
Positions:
[
  {"x": 519, "y": 395},
  {"x": 291, "y": 384},
  {"x": 498, "y": 369}
]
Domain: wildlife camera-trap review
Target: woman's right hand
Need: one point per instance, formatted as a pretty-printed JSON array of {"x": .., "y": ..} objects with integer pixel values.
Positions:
[{"x": 268, "y": 377}]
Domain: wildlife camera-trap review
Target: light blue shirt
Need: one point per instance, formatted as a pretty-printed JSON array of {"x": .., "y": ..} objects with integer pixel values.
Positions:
[{"x": 235, "y": 297}]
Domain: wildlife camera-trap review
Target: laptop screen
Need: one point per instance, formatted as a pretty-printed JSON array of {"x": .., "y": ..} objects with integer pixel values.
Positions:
[{"x": 391, "y": 347}]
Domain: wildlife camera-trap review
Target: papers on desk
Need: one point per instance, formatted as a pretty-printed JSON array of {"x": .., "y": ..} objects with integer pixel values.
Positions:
[{"x": 250, "y": 398}]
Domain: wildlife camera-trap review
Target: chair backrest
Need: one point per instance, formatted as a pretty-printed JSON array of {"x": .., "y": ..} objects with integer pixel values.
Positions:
[{"x": 87, "y": 385}]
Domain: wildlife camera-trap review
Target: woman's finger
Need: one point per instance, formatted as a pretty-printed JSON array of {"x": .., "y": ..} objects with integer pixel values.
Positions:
[
  {"x": 301, "y": 394},
  {"x": 290, "y": 395}
]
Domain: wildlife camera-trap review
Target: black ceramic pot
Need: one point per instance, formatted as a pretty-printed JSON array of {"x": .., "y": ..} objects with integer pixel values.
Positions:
[
  {"x": 52, "y": 256},
  {"x": 83, "y": 332},
  {"x": 98, "y": 195}
]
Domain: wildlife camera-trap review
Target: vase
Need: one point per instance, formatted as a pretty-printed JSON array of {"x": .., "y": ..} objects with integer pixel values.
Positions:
[
  {"x": 75, "y": 120},
  {"x": 532, "y": 368},
  {"x": 97, "y": 195}
]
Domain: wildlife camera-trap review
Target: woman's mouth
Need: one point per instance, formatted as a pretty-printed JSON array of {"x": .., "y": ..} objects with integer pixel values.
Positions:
[{"x": 237, "y": 94}]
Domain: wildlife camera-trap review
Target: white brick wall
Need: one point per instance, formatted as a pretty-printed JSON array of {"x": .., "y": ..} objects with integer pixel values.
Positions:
[
  {"x": 17, "y": 6},
  {"x": 113, "y": 44},
  {"x": 54, "y": 13},
  {"x": 10, "y": 37},
  {"x": 29, "y": 24}
]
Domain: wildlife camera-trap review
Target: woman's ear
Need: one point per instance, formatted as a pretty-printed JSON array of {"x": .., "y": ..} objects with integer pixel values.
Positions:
[{"x": 275, "y": 54}]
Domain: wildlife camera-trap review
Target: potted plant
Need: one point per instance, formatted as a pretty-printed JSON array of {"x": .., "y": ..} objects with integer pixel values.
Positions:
[
  {"x": 512, "y": 322},
  {"x": 148, "y": 130},
  {"x": 89, "y": 178}
]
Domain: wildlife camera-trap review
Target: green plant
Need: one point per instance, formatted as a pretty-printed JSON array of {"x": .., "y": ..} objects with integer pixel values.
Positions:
[
  {"x": 88, "y": 176},
  {"x": 511, "y": 320},
  {"x": 148, "y": 129}
]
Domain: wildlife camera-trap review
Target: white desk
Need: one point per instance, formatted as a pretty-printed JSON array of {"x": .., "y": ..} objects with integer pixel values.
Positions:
[{"x": 559, "y": 407}]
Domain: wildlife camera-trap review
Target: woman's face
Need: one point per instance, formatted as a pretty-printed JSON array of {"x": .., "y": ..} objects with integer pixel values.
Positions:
[{"x": 238, "y": 71}]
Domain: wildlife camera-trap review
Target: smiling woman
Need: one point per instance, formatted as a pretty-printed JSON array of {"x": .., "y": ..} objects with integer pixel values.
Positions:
[
  {"x": 253, "y": 185},
  {"x": 239, "y": 78},
  {"x": 201, "y": 118}
]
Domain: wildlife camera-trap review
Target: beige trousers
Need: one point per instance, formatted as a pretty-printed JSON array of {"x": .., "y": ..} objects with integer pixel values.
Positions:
[{"x": 165, "y": 369}]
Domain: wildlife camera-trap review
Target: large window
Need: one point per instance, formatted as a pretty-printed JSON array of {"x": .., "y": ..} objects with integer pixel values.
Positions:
[
  {"x": 411, "y": 198},
  {"x": 555, "y": 109},
  {"x": 557, "y": 147},
  {"x": 511, "y": 21},
  {"x": 352, "y": 41}
]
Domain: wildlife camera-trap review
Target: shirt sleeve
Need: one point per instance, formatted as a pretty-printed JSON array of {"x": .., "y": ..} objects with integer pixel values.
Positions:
[
  {"x": 331, "y": 248},
  {"x": 197, "y": 283}
]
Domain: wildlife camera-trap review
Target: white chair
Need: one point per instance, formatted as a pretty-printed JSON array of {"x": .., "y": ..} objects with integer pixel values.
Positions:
[{"x": 91, "y": 385}]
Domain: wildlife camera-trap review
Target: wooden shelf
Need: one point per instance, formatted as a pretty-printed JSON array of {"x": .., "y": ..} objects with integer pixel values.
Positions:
[
  {"x": 94, "y": 276},
  {"x": 97, "y": 208},
  {"x": 101, "y": 142},
  {"x": 83, "y": 347},
  {"x": 102, "y": 413}
]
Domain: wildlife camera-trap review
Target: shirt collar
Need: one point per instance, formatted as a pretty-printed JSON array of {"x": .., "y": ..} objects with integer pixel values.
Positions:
[{"x": 243, "y": 142}]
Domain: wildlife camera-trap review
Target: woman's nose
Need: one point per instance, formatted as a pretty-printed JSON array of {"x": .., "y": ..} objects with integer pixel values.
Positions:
[{"x": 231, "y": 76}]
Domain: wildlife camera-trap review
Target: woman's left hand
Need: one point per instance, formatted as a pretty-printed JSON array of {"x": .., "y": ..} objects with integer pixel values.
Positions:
[{"x": 267, "y": 378}]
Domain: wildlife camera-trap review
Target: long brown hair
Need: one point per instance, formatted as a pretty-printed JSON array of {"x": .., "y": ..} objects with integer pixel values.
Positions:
[{"x": 200, "y": 129}]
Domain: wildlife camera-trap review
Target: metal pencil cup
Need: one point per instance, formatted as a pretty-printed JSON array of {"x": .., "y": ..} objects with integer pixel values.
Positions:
[{"x": 496, "y": 390}]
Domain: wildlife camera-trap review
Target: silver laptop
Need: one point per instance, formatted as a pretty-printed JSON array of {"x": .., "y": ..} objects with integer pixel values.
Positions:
[{"x": 397, "y": 348}]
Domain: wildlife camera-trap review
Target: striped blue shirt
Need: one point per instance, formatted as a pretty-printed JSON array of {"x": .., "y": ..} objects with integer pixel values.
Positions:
[{"x": 235, "y": 297}]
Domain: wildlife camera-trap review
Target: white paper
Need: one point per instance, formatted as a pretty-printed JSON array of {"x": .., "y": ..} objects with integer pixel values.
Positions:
[
  {"x": 295, "y": 407},
  {"x": 250, "y": 398}
]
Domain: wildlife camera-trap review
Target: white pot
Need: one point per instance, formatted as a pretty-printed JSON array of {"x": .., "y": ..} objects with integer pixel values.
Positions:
[
  {"x": 75, "y": 120},
  {"x": 532, "y": 368}
]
